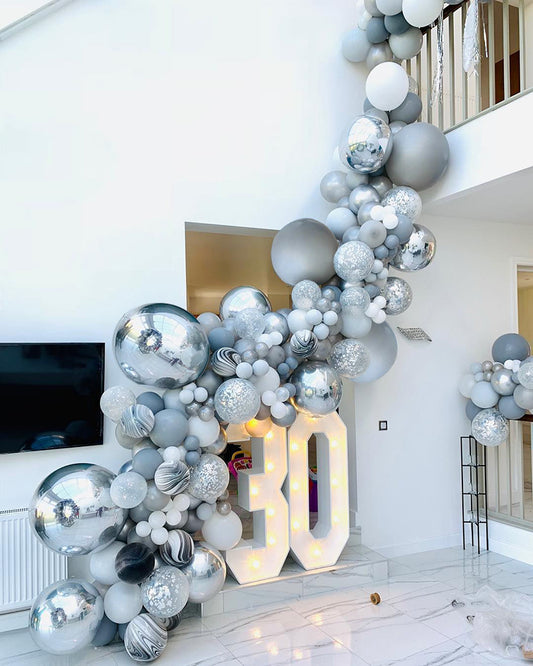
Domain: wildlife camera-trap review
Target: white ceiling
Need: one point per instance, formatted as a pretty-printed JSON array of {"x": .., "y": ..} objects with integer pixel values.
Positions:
[{"x": 507, "y": 200}]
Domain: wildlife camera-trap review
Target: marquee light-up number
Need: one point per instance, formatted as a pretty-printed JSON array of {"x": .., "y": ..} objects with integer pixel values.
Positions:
[
  {"x": 260, "y": 492},
  {"x": 321, "y": 546}
]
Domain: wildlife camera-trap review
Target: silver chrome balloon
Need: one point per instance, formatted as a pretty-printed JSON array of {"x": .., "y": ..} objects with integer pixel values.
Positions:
[
  {"x": 318, "y": 388},
  {"x": 276, "y": 322},
  {"x": 242, "y": 298},
  {"x": 502, "y": 382},
  {"x": 72, "y": 512},
  {"x": 366, "y": 144},
  {"x": 418, "y": 252},
  {"x": 206, "y": 573},
  {"x": 398, "y": 294},
  {"x": 65, "y": 616},
  {"x": 161, "y": 345}
]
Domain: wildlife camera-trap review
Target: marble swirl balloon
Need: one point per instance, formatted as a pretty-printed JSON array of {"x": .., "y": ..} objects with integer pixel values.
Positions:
[
  {"x": 318, "y": 388},
  {"x": 242, "y": 298},
  {"x": 172, "y": 478},
  {"x": 145, "y": 638},
  {"x": 224, "y": 361},
  {"x": 137, "y": 421},
  {"x": 303, "y": 343},
  {"x": 418, "y": 252},
  {"x": 366, "y": 144},
  {"x": 162, "y": 345},
  {"x": 178, "y": 551},
  {"x": 72, "y": 513}
]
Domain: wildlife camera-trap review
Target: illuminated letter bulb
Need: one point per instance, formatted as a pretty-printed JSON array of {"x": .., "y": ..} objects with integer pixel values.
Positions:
[{"x": 269, "y": 466}]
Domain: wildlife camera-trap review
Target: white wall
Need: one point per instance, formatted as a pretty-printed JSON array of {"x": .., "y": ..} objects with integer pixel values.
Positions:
[{"x": 122, "y": 119}]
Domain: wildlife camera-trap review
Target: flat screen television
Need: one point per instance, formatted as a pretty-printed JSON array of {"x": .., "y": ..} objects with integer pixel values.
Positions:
[{"x": 50, "y": 395}]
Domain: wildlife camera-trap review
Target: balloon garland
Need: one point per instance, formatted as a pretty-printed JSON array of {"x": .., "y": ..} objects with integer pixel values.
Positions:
[
  {"x": 500, "y": 390},
  {"x": 247, "y": 368}
]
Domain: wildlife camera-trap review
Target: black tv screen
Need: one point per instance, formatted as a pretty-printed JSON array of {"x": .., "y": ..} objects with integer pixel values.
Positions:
[{"x": 50, "y": 395}]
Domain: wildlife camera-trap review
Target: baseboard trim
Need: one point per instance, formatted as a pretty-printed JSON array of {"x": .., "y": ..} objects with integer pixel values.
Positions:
[
  {"x": 511, "y": 541},
  {"x": 398, "y": 550},
  {"x": 13, "y": 621}
]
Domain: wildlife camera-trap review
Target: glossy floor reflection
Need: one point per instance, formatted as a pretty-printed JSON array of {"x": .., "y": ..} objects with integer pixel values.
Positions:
[{"x": 414, "y": 625}]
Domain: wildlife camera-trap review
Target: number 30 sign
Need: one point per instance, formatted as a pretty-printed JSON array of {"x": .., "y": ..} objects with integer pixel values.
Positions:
[{"x": 276, "y": 490}]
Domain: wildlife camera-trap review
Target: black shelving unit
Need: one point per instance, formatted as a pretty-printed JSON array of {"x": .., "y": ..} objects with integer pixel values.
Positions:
[{"x": 474, "y": 491}]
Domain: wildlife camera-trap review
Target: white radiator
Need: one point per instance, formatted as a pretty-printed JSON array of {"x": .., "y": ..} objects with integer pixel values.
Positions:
[{"x": 26, "y": 566}]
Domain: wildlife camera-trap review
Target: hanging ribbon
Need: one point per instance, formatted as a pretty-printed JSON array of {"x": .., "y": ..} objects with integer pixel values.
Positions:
[
  {"x": 471, "y": 52},
  {"x": 436, "y": 96}
]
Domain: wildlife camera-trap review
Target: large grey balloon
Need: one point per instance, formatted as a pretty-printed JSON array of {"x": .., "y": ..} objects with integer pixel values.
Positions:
[
  {"x": 206, "y": 573},
  {"x": 161, "y": 345},
  {"x": 408, "y": 111},
  {"x": 376, "y": 31},
  {"x": 418, "y": 252},
  {"x": 333, "y": 186},
  {"x": 243, "y": 298},
  {"x": 419, "y": 156},
  {"x": 65, "y": 616},
  {"x": 366, "y": 144},
  {"x": 407, "y": 44},
  {"x": 382, "y": 346},
  {"x": 304, "y": 249},
  {"x": 318, "y": 388},
  {"x": 510, "y": 346},
  {"x": 355, "y": 45},
  {"x": 72, "y": 512}
]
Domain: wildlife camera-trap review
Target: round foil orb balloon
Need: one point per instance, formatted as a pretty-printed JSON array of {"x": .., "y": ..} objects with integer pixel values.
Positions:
[
  {"x": 145, "y": 639},
  {"x": 178, "y": 551},
  {"x": 209, "y": 478},
  {"x": 399, "y": 295},
  {"x": 354, "y": 261},
  {"x": 165, "y": 592},
  {"x": 275, "y": 322},
  {"x": 405, "y": 200},
  {"x": 418, "y": 252},
  {"x": 366, "y": 145},
  {"x": 502, "y": 382},
  {"x": 72, "y": 512},
  {"x": 302, "y": 250},
  {"x": 206, "y": 573},
  {"x": 237, "y": 401},
  {"x": 161, "y": 345},
  {"x": 65, "y": 616},
  {"x": 243, "y": 298},
  {"x": 350, "y": 358},
  {"x": 318, "y": 388},
  {"x": 490, "y": 428}
]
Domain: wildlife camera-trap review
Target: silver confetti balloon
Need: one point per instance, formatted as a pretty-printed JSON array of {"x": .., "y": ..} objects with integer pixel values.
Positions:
[
  {"x": 145, "y": 638},
  {"x": 303, "y": 343},
  {"x": 206, "y": 573},
  {"x": 490, "y": 427},
  {"x": 224, "y": 361},
  {"x": 165, "y": 592},
  {"x": 525, "y": 374},
  {"x": 276, "y": 322},
  {"x": 172, "y": 478},
  {"x": 355, "y": 299},
  {"x": 72, "y": 512},
  {"x": 398, "y": 294},
  {"x": 65, "y": 616},
  {"x": 366, "y": 144},
  {"x": 405, "y": 200},
  {"x": 237, "y": 401},
  {"x": 318, "y": 388},
  {"x": 350, "y": 358},
  {"x": 161, "y": 345},
  {"x": 242, "y": 298},
  {"x": 418, "y": 252},
  {"x": 209, "y": 478},
  {"x": 353, "y": 261}
]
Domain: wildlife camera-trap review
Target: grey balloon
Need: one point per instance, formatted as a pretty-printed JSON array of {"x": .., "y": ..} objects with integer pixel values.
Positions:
[
  {"x": 152, "y": 400},
  {"x": 406, "y": 44},
  {"x": 376, "y": 32},
  {"x": 396, "y": 24},
  {"x": 304, "y": 249},
  {"x": 471, "y": 410},
  {"x": 380, "y": 115},
  {"x": 502, "y": 382},
  {"x": 382, "y": 346},
  {"x": 366, "y": 144},
  {"x": 243, "y": 298},
  {"x": 146, "y": 461},
  {"x": 65, "y": 616},
  {"x": 355, "y": 45},
  {"x": 373, "y": 233},
  {"x": 170, "y": 428},
  {"x": 361, "y": 195},
  {"x": 105, "y": 633},
  {"x": 160, "y": 344},
  {"x": 510, "y": 346},
  {"x": 206, "y": 573},
  {"x": 408, "y": 111},
  {"x": 419, "y": 156},
  {"x": 275, "y": 322},
  {"x": 333, "y": 186},
  {"x": 72, "y": 513},
  {"x": 377, "y": 54},
  {"x": 318, "y": 388},
  {"x": 381, "y": 184},
  {"x": 371, "y": 8},
  {"x": 418, "y": 252},
  {"x": 508, "y": 407}
]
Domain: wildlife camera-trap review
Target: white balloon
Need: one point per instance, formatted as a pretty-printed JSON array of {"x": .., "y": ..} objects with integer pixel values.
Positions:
[
  {"x": 206, "y": 431},
  {"x": 123, "y": 602},
  {"x": 387, "y": 86},
  {"x": 222, "y": 532},
  {"x": 421, "y": 13},
  {"x": 102, "y": 564},
  {"x": 389, "y": 7},
  {"x": 268, "y": 382},
  {"x": 466, "y": 384},
  {"x": 340, "y": 220}
]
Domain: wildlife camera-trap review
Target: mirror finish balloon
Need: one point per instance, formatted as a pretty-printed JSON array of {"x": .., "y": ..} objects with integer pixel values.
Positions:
[
  {"x": 65, "y": 616},
  {"x": 72, "y": 512},
  {"x": 206, "y": 573},
  {"x": 161, "y": 345},
  {"x": 418, "y": 252},
  {"x": 318, "y": 388},
  {"x": 366, "y": 145},
  {"x": 243, "y": 298}
]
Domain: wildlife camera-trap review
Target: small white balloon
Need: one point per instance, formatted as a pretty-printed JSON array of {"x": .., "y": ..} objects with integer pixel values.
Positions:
[
  {"x": 181, "y": 502},
  {"x": 200, "y": 394},
  {"x": 260, "y": 367},
  {"x": 330, "y": 318},
  {"x": 275, "y": 338},
  {"x": 390, "y": 221},
  {"x": 159, "y": 536},
  {"x": 186, "y": 396},
  {"x": 379, "y": 317},
  {"x": 206, "y": 431},
  {"x": 157, "y": 519},
  {"x": 268, "y": 398},
  {"x": 377, "y": 213},
  {"x": 143, "y": 528},
  {"x": 204, "y": 511},
  {"x": 372, "y": 310},
  {"x": 421, "y": 14},
  {"x": 173, "y": 517},
  {"x": 279, "y": 410},
  {"x": 321, "y": 331},
  {"x": 380, "y": 301},
  {"x": 244, "y": 370},
  {"x": 313, "y": 317},
  {"x": 387, "y": 85},
  {"x": 171, "y": 454}
]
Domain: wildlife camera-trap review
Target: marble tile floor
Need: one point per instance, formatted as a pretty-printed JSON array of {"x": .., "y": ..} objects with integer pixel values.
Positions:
[{"x": 415, "y": 624}]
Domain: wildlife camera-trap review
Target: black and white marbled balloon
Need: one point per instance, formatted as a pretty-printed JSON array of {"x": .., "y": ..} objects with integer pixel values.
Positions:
[
  {"x": 169, "y": 623},
  {"x": 137, "y": 421},
  {"x": 303, "y": 343},
  {"x": 172, "y": 478},
  {"x": 145, "y": 638},
  {"x": 178, "y": 551},
  {"x": 225, "y": 361},
  {"x": 134, "y": 562}
]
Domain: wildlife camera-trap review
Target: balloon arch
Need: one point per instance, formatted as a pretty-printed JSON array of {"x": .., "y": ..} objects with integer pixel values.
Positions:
[{"x": 273, "y": 376}]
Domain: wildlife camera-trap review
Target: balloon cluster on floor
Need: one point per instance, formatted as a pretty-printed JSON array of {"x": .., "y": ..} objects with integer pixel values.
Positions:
[
  {"x": 154, "y": 531},
  {"x": 499, "y": 390}
]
